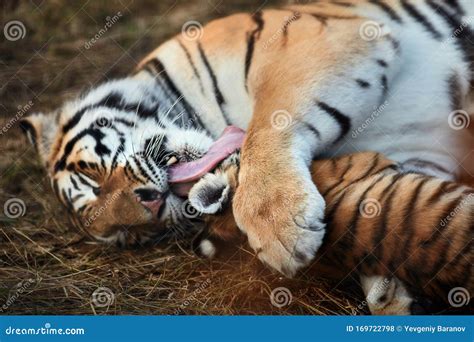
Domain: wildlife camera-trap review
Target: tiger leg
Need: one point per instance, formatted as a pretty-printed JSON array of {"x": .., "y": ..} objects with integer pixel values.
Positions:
[{"x": 277, "y": 203}]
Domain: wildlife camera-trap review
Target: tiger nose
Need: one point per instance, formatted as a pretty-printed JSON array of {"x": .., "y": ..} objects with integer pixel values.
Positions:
[{"x": 151, "y": 199}]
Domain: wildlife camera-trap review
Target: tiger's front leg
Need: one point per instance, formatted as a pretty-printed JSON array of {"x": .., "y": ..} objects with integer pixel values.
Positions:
[{"x": 300, "y": 110}]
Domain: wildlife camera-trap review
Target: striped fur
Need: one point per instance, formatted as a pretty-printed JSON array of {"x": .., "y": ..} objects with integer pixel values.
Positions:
[
  {"x": 407, "y": 230},
  {"x": 340, "y": 92}
]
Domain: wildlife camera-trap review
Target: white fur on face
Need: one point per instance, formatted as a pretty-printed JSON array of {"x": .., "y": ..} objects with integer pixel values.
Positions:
[{"x": 140, "y": 127}]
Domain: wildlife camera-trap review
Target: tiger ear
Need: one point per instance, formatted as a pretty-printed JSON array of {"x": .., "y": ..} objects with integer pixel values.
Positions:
[
  {"x": 40, "y": 129},
  {"x": 211, "y": 194}
]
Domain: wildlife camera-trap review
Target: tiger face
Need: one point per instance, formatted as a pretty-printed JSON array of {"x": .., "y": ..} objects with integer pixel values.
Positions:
[{"x": 108, "y": 153}]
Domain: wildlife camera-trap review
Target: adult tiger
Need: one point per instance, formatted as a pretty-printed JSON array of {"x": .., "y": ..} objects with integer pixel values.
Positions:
[
  {"x": 407, "y": 237},
  {"x": 315, "y": 66}
]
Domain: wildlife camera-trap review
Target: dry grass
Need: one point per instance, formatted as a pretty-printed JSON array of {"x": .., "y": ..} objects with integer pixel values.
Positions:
[{"x": 50, "y": 65}]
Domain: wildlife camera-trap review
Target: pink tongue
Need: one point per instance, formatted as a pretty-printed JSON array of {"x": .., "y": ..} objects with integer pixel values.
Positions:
[{"x": 231, "y": 139}]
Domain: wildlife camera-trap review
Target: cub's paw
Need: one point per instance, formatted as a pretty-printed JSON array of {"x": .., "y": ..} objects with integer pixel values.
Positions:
[{"x": 284, "y": 224}]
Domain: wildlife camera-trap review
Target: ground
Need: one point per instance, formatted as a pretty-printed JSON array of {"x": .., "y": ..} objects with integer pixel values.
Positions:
[{"x": 46, "y": 266}]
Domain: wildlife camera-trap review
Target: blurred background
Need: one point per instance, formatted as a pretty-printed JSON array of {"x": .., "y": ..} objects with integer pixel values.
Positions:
[{"x": 54, "y": 50}]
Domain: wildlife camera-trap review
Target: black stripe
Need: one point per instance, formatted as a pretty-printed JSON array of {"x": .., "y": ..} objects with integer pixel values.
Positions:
[
  {"x": 363, "y": 83},
  {"x": 251, "y": 37},
  {"x": 193, "y": 66},
  {"x": 421, "y": 19},
  {"x": 425, "y": 163},
  {"x": 313, "y": 130},
  {"x": 409, "y": 223},
  {"x": 341, "y": 178},
  {"x": 163, "y": 75},
  {"x": 455, "y": 92},
  {"x": 120, "y": 150},
  {"x": 384, "y": 85},
  {"x": 440, "y": 228},
  {"x": 295, "y": 16},
  {"x": 349, "y": 239},
  {"x": 100, "y": 149},
  {"x": 217, "y": 92},
  {"x": 454, "y": 4},
  {"x": 387, "y": 9},
  {"x": 463, "y": 35},
  {"x": 382, "y": 63},
  {"x": 370, "y": 170},
  {"x": 343, "y": 120},
  {"x": 74, "y": 183},
  {"x": 380, "y": 232},
  {"x": 115, "y": 101},
  {"x": 129, "y": 171},
  {"x": 342, "y": 4},
  {"x": 141, "y": 169}
]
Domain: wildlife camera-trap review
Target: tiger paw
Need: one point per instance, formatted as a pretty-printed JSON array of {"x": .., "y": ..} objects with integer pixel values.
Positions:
[{"x": 284, "y": 225}]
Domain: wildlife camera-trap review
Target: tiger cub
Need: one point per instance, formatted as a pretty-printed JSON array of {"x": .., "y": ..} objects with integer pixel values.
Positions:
[{"x": 408, "y": 234}]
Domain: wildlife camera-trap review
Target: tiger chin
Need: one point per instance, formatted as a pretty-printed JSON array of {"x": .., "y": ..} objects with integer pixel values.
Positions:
[{"x": 386, "y": 227}]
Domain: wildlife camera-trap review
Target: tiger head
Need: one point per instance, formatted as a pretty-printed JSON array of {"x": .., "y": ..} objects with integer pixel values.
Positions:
[{"x": 108, "y": 155}]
